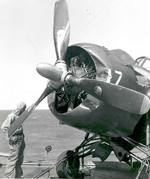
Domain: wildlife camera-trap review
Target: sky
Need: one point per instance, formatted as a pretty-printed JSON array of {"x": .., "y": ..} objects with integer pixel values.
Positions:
[{"x": 26, "y": 39}]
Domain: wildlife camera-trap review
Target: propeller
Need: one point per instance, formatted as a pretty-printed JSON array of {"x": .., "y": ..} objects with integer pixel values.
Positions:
[
  {"x": 118, "y": 96},
  {"x": 61, "y": 34}
]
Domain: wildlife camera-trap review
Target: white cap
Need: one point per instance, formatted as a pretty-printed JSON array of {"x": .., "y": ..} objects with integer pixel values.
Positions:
[{"x": 20, "y": 107}]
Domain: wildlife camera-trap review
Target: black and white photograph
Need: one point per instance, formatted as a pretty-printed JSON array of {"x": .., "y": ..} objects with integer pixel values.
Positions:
[{"x": 75, "y": 89}]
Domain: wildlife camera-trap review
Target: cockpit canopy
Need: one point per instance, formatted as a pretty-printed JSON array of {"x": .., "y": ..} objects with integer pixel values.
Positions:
[{"x": 143, "y": 62}]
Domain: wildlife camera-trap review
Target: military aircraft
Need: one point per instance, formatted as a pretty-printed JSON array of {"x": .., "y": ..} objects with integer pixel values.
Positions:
[{"x": 103, "y": 92}]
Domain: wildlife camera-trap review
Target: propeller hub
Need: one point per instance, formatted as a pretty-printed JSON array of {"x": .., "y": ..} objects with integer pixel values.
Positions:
[
  {"x": 61, "y": 64},
  {"x": 52, "y": 72}
]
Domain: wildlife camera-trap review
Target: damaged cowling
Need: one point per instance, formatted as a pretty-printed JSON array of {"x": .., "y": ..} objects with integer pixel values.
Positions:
[
  {"x": 81, "y": 65},
  {"x": 82, "y": 62}
]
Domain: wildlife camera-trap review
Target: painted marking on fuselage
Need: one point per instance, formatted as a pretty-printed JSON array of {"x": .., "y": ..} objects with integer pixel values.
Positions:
[{"x": 119, "y": 73}]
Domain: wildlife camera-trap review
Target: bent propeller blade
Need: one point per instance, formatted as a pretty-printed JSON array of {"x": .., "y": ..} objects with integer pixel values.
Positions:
[
  {"x": 118, "y": 96},
  {"x": 61, "y": 29},
  {"x": 16, "y": 124}
]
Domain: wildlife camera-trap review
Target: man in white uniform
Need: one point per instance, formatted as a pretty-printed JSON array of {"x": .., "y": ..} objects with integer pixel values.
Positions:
[{"x": 16, "y": 144}]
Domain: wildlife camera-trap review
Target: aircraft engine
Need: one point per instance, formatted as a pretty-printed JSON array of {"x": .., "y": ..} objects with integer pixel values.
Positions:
[{"x": 81, "y": 65}]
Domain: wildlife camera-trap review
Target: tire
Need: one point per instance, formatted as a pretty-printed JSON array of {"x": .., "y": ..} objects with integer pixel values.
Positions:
[{"x": 68, "y": 165}]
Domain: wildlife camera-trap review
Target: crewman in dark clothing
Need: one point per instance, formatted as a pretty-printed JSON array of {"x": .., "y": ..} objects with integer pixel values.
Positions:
[{"x": 16, "y": 144}]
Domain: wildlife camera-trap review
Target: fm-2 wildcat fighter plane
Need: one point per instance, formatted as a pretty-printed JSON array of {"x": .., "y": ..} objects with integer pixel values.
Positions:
[{"x": 103, "y": 92}]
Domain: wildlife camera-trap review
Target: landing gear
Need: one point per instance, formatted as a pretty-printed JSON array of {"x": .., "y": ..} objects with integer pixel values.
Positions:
[
  {"x": 68, "y": 165},
  {"x": 139, "y": 163}
]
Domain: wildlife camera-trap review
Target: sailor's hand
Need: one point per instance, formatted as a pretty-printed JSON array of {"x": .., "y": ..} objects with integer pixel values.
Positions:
[{"x": 4, "y": 130}]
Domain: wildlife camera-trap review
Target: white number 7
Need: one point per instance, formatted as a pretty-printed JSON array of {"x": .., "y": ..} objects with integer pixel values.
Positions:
[{"x": 120, "y": 76}]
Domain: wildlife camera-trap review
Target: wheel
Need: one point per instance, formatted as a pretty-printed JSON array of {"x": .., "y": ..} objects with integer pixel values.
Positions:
[{"x": 68, "y": 165}]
